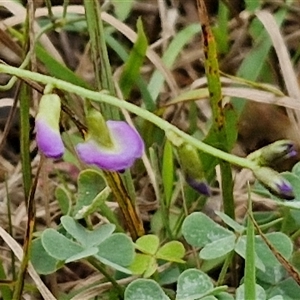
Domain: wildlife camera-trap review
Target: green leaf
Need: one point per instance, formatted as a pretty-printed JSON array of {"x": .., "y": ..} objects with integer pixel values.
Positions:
[
  {"x": 171, "y": 251},
  {"x": 169, "y": 275},
  {"x": 259, "y": 291},
  {"x": 218, "y": 248},
  {"x": 288, "y": 289},
  {"x": 58, "y": 70},
  {"x": 274, "y": 271},
  {"x": 85, "y": 253},
  {"x": 193, "y": 284},
  {"x": 295, "y": 182},
  {"x": 41, "y": 260},
  {"x": 64, "y": 200},
  {"x": 230, "y": 222},
  {"x": 280, "y": 241},
  {"x": 118, "y": 249},
  {"x": 134, "y": 62},
  {"x": 170, "y": 55},
  {"x": 152, "y": 267},
  {"x": 225, "y": 296},
  {"x": 144, "y": 289},
  {"x": 90, "y": 184},
  {"x": 240, "y": 249},
  {"x": 140, "y": 82},
  {"x": 140, "y": 264},
  {"x": 199, "y": 230},
  {"x": 148, "y": 244},
  {"x": 168, "y": 172},
  {"x": 296, "y": 169},
  {"x": 122, "y": 8},
  {"x": 58, "y": 246},
  {"x": 271, "y": 275},
  {"x": 5, "y": 290},
  {"x": 86, "y": 237}
]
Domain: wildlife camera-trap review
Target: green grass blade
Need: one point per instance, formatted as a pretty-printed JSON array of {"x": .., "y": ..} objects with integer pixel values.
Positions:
[
  {"x": 140, "y": 82},
  {"x": 250, "y": 274},
  {"x": 98, "y": 47},
  {"x": 6, "y": 292},
  {"x": 25, "y": 138},
  {"x": 169, "y": 57},
  {"x": 219, "y": 129},
  {"x": 134, "y": 62},
  {"x": 58, "y": 70},
  {"x": 167, "y": 172}
]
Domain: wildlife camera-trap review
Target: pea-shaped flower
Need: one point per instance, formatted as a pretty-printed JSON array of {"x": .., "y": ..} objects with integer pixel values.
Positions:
[
  {"x": 47, "y": 126},
  {"x": 113, "y": 148},
  {"x": 192, "y": 168},
  {"x": 274, "y": 182},
  {"x": 274, "y": 153}
]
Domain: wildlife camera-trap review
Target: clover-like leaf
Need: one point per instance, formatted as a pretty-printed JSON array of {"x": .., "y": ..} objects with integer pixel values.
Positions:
[
  {"x": 260, "y": 293},
  {"x": 230, "y": 222},
  {"x": 218, "y": 248},
  {"x": 140, "y": 264},
  {"x": 118, "y": 249},
  {"x": 41, "y": 260},
  {"x": 193, "y": 284},
  {"x": 199, "y": 230},
  {"x": 90, "y": 184},
  {"x": 148, "y": 244},
  {"x": 240, "y": 248},
  {"x": 58, "y": 246},
  {"x": 87, "y": 238},
  {"x": 144, "y": 289},
  {"x": 171, "y": 251}
]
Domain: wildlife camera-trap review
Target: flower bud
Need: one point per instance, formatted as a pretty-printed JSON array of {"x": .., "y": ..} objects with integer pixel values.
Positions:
[
  {"x": 274, "y": 153},
  {"x": 47, "y": 126},
  {"x": 192, "y": 168},
  {"x": 274, "y": 182}
]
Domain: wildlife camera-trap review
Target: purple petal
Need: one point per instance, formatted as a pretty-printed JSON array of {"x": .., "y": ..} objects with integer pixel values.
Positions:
[
  {"x": 127, "y": 147},
  {"x": 48, "y": 140},
  {"x": 285, "y": 190},
  {"x": 291, "y": 150},
  {"x": 199, "y": 185}
]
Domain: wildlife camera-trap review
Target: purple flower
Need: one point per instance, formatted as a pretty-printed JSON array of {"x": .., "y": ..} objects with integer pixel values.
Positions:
[
  {"x": 199, "y": 185},
  {"x": 47, "y": 127},
  {"x": 192, "y": 168},
  {"x": 274, "y": 153},
  {"x": 127, "y": 146},
  {"x": 274, "y": 182},
  {"x": 286, "y": 190}
]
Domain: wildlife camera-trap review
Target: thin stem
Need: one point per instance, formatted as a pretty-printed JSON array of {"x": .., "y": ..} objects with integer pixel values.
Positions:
[
  {"x": 95, "y": 263},
  {"x": 105, "y": 98}
]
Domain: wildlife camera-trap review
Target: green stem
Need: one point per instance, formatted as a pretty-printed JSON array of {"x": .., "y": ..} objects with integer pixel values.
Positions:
[
  {"x": 105, "y": 98},
  {"x": 250, "y": 272},
  {"x": 225, "y": 267},
  {"x": 95, "y": 263}
]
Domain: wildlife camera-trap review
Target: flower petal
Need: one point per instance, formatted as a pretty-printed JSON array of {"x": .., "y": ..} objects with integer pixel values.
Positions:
[
  {"x": 48, "y": 140},
  {"x": 199, "y": 185},
  {"x": 127, "y": 147}
]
